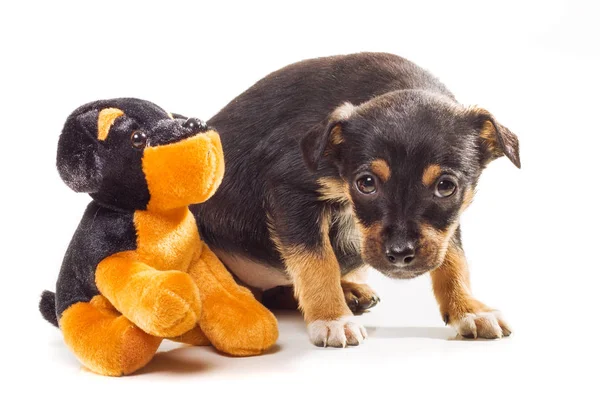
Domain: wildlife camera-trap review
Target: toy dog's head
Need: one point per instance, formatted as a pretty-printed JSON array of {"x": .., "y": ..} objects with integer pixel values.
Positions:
[
  {"x": 408, "y": 163},
  {"x": 131, "y": 154}
]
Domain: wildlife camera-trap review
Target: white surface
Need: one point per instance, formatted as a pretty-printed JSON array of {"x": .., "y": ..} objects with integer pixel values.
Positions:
[{"x": 531, "y": 236}]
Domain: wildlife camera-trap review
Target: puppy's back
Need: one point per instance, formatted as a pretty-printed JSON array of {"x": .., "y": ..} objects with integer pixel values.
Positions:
[{"x": 305, "y": 92}]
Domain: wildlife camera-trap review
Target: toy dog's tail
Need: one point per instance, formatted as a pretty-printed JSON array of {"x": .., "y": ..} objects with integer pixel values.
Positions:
[{"x": 48, "y": 307}]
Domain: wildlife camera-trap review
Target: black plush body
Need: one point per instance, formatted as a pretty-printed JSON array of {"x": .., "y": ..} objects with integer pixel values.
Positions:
[
  {"x": 296, "y": 155},
  {"x": 101, "y": 232},
  {"x": 111, "y": 171}
]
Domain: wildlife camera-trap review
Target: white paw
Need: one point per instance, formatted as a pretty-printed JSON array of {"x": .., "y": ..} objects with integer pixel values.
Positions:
[
  {"x": 337, "y": 333},
  {"x": 488, "y": 325}
]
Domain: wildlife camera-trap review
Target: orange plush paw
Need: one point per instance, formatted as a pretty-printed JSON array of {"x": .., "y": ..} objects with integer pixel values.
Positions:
[
  {"x": 170, "y": 304},
  {"x": 105, "y": 341},
  {"x": 237, "y": 324}
]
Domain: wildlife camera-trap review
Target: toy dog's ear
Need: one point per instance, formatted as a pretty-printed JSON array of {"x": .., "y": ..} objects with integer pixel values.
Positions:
[
  {"x": 495, "y": 139},
  {"x": 177, "y": 116},
  {"x": 78, "y": 161},
  {"x": 325, "y": 136}
]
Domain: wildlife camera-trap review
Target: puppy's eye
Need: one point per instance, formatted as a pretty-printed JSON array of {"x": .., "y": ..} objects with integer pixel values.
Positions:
[
  {"x": 138, "y": 139},
  {"x": 445, "y": 187},
  {"x": 366, "y": 184}
]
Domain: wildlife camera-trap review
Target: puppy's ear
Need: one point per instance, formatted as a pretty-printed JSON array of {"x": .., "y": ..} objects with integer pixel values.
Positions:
[
  {"x": 324, "y": 137},
  {"x": 495, "y": 139},
  {"x": 77, "y": 160}
]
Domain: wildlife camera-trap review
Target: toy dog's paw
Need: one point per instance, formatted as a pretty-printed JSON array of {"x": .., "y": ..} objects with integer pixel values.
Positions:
[
  {"x": 485, "y": 324},
  {"x": 337, "y": 333},
  {"x": 359, "y": 296},
  {"x": 239, "y": 325},
  {"x": 171, "y": 304}
]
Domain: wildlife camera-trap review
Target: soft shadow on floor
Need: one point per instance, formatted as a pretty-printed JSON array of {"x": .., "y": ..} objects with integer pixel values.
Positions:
[
  {"x": 398, "y": 332},
  {"x": 177, "y": 361}
]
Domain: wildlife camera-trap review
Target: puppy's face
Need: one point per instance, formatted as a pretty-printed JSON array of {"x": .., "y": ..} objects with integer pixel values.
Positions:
[
  {"x": 131, "y": 154},
  {"x": 409, "y": 162}
]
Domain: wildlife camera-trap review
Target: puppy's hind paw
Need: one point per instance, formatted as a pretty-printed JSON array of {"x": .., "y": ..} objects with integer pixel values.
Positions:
[{"x": 336, "y": 333}]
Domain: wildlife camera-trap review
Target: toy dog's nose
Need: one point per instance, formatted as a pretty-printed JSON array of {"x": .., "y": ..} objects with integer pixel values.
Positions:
[
  {"x": 400, "y": 254},
  {"x": 195, "y": 125}
]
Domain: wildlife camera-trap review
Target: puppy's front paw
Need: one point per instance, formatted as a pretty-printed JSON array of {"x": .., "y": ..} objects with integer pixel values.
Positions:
[
  {"x": 336, "y": 333},
  {"x": 485, "y": 324}
]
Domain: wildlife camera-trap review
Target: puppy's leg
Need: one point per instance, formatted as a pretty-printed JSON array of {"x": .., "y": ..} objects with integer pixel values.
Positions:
[
  {"x": 451, "y": 286},
  {"x": 359, "y": 296},
  {"x": 313, "y": 267}
]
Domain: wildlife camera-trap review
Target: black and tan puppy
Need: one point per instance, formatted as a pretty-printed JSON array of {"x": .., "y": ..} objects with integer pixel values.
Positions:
[{"x": 338, "y": 163}]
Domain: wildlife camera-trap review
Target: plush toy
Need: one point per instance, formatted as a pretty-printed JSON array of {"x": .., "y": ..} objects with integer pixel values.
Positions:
[{"x": 136, "y": 270}]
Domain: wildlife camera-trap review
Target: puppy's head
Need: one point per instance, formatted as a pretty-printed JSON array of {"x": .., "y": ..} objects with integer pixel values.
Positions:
[
  {"x": 408, "y": 163},
  {"x": 131, "y": 154}
]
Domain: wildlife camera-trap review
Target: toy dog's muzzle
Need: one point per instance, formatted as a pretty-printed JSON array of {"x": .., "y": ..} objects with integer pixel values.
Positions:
[{"x": 183, "y": 164}]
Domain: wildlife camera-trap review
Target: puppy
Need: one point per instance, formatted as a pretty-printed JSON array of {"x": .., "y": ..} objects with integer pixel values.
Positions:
[{"x": 338, "y": 163}]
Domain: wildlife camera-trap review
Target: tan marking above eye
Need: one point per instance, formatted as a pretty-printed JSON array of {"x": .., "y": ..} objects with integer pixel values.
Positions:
[
  {"x": 430, "y": 174},
  {"x": 106, "y": 119},
  {"x": 381, "y": 168}
]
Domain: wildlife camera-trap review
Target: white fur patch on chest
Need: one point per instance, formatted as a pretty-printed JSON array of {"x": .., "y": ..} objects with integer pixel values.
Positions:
[{"x": 347, "y": 237}]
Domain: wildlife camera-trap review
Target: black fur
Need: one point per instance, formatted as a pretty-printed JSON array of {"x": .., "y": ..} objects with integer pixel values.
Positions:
[{"x": 271, "y": 177}]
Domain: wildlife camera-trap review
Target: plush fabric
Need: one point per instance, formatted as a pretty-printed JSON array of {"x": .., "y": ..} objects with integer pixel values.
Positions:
[{"x": 136, "y": 270}]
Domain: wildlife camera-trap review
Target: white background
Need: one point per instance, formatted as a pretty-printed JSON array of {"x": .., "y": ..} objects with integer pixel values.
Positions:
[{"x": 531, "y": 235}]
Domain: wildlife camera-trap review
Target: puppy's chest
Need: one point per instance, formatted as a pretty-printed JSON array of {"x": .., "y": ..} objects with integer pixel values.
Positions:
[
  {"x": 345, "y": 236},
  {"x": 167, "y": 241}
]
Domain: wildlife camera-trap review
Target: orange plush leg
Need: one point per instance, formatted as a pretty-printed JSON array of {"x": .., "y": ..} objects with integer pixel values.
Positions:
[
  {"x": 232, "y": 319},
  {"x": 105, "y": 341},
  {"x": 162, "y": 303},
  {"x": 194, "y": 337}
]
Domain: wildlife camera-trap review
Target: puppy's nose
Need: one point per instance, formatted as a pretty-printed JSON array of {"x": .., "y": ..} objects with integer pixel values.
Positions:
[
  {"x": 195, "y": 125},
  {"x": 400, "y": 254}
]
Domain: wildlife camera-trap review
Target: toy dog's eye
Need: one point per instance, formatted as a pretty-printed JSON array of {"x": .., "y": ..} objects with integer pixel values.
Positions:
[
  {"x": 138, "y": 139},
  {"x": 195, "y": 125},
  {"x": 445, "y": 187},
  {"x": 366, "y": 184}
]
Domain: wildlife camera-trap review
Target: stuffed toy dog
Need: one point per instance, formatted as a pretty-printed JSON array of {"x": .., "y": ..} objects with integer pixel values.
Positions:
[{"x": 136, "y": 270}]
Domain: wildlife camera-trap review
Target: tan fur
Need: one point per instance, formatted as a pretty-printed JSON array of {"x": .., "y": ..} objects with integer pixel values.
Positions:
[
  {"x": 434, "y": 243},
  {"x": 452, "y": 288},
  {"x": 370, "y": 239},
  {"x": 360, "y": 292},
  {"x": 430, "y": 174},
  {"x": 106, "y": 119},
  {"x": 358, "y": 275},
  {"x": 467, "y": 199},
  {"x": 334, "y": 190},
  {"x": 490, "y": 139},
  {"x": 381, "y": 168},
  {"x": 316, "y": 277},
  {"x": 335, "y": 137}
]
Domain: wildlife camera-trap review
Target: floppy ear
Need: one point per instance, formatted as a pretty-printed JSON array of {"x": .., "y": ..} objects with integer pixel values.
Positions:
[
  {"x": 177, "y": 116},
  {"x": 496, "y": 140},
  {"x": 324, "y": 137},
  {"x": 77, "y": 158}
]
